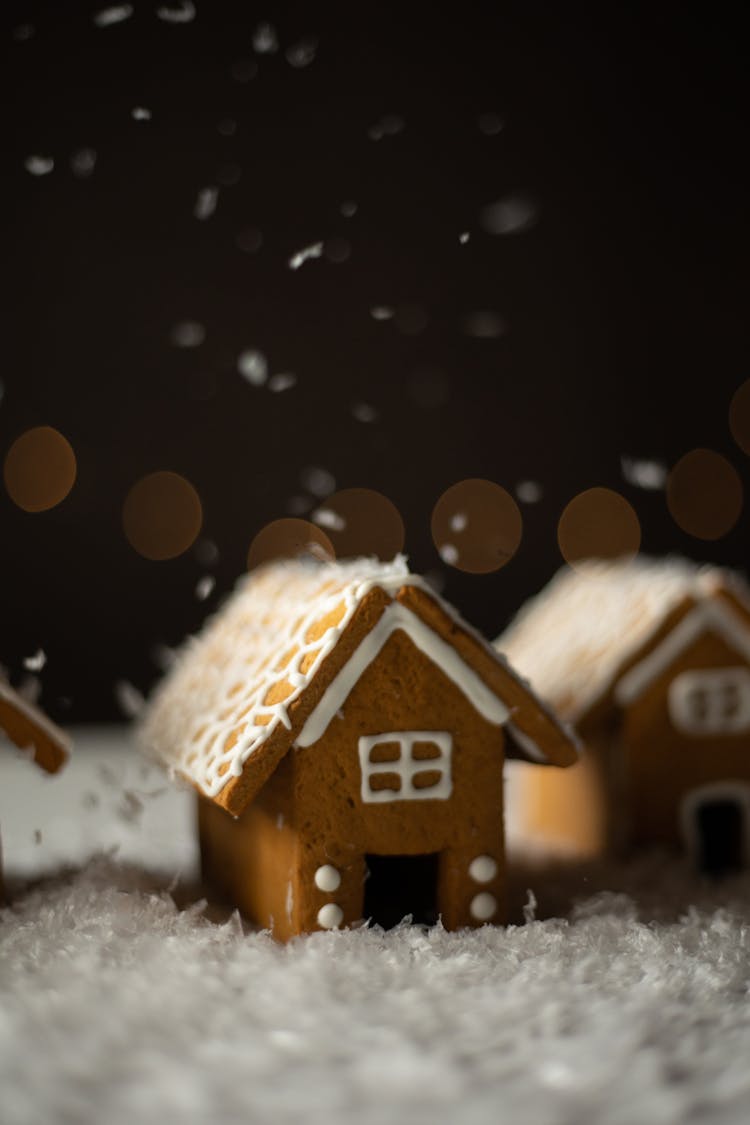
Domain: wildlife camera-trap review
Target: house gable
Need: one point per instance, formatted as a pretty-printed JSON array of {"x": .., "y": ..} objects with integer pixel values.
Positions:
[{"x": 29, "y": 729}]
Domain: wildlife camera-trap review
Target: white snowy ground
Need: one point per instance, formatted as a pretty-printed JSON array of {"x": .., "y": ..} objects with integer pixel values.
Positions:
[{"x": 119, "y": 1006}]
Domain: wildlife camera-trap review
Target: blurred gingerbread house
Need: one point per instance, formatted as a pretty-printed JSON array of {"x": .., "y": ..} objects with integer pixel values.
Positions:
[
  {"x": 651, "y": 661},
  {"x": 346, "y": 733},
  {"x": 31, "y": 731}
]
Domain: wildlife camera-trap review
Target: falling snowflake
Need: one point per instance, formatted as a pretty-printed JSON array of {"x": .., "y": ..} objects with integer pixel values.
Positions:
[
  {"x": 204, "y": 587},
  {"x": 205, "y": 203},
  {"x": 381, "y": 312},
  {"x": 326, "y": 517},
  {"x": 129, "y": 699},
  {"x": 449, "y": 553},
  {"x": 265, "y": 39},
  {"x": 320, "y": 482},
  {"x": 490, "y": 124},
  {"x": 315, "y": 250},
  {"x": 529, "y": 491},
  {"x": 458, "y": 521},
  {"x": 140, "y": 113},
  {"x": 463, "y": 238},
  {"x": 39, "y": 165},
  {"x": 36, "y": 662},
  {"x": 301, "y": 54},
  {"x": 23, "y": 32},
  {"x": 388, "y": 126},
  {"x": 188, "y": 334},
  {"x": 641, "y": 473},
  {"x": 253, "y": 366},
  {"x": 116, "y": 13},
  {"x": 183, "y": 12},
  {"x": 484, "y": 325},
  {"x": 83, "y": 162},
  {"x": 348, "y": 208},
  {"x": 513, "y": 214},
  {"x": 364, "y": 412},
  {"x": 284, "y": 381}
]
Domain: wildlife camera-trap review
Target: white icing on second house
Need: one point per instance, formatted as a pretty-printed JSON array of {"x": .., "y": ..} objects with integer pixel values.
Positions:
[{"x": 711, "y": 701}]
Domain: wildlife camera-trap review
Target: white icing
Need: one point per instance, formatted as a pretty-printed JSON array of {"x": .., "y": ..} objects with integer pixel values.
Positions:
[
  {"x": 707, "y": 617},
  {"x": 525, "y": 744},
  {"x": 731, "y": 790},
  {"x": 330, "y": 916},
  {"x": 483, "y": 869},
  {"x": 289, "y": 901},
  {"x": 406, "y": 767},
  {"x": 483, "y": 906},
  {"x": 35, "y": 717},
  {"x": 398, "y": 617},
  {"x": 327, "y": 878},
  {"x": 573, "y": 638},
  {"x": 711, "y": 701}
]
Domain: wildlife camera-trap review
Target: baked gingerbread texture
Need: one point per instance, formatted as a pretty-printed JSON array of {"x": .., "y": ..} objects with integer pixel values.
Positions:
[
  {"x": 651, "y": 661},
  {"x": 31, "y": 731},
  {"x": 332, "y": 716}
]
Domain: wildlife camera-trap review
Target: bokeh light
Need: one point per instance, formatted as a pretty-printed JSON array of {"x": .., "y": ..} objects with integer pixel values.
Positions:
[
  {"x": 598, "y": 524},
  {"x": 40, "y": 469},
  {"x": 704, "y": 494},
  {"x": 162, "y": 516},
  {"x": 361, "y": 521},
  {"x": 288, "y": 539},
  {"x": 739, "y": 416},
  {"x": 476, "y": 526}
]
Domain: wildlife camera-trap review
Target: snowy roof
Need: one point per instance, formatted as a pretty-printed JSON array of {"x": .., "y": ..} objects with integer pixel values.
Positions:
[
  {"x": 573, "y": 639},
  {"x": 235, "y": 685},
  {"x": 31, "y": 730}
]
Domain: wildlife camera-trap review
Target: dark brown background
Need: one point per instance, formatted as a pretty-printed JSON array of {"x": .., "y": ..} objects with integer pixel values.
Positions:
[{"x": 626, "y": 305}]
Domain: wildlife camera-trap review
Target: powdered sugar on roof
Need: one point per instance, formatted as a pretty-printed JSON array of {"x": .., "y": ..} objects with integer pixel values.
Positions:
[
  {"x": 233, "y": 686},
  {"x": 573, "y": 638}
]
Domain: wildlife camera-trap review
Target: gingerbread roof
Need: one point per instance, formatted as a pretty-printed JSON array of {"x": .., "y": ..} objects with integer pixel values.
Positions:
[
  {"x": 255, "y": 681},
  {"x": 591, "y": 627},
  {"x": 31, "y": 730}
]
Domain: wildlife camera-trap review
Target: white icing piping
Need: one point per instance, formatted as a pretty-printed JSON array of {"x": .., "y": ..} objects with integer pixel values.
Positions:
[
  {"x": 526, "y": 745},
  {"x": 35, "y": 716},
  {"x": 253, "y": 736},
  {"x": 396, "y": 617},
  {"x": 406, "y": 766},
  {"x": 706, "y": 617},
  {"x": 707, "y": 701}
]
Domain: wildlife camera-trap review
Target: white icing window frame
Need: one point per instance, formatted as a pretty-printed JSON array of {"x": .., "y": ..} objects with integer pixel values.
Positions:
[
  {"x": 406, "y": 767},
  {"x": 724, "y": 698}
]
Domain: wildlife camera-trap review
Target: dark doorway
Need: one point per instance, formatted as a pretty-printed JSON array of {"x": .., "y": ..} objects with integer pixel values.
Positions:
[
  {"x": 397, "y": 885},
  {"x": 721, "y": 829}
]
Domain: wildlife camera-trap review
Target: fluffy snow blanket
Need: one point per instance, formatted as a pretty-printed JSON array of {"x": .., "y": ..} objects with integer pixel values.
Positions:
[{"x": 124, "y": 999}]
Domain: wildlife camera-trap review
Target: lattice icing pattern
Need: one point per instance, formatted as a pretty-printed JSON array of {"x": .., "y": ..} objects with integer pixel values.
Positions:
[
  {"x": 233, "y": 685},
  {"x": 572, "y": 639}
]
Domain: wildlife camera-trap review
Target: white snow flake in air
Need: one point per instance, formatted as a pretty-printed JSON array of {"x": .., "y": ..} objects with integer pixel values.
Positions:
[
  {"x": 490, "y": 124},
  {"x": 204, "y": 587},
  {"x": 348, "y": 208},
  {"x": 183, "y": 12},
  {"x": 265, "y": 39},
  {"x": 39, "y": 165},
  {"x": 463, "y": 238},
  {"x": 320, "y": 482},
  {"x": 205, "y": 203},
  {"x": 650, "y": 475},
  {"x": 381, "y": 312},
  {"x": 36, "y": 662},
  {"x": 513, "y": 214},
  {"x": 301, "y": 54},
  {"x": 388, "y": 126},
  {"x": 529, "y": 491},
  {"x": 364, "y": 412},
  {"x": 83, "y": 162},
  {"x": 23, "y": 32},
  {"x": 449, "y": 553},
  {"x": 326, "y": 517},
  {"x": 458, "y": 521},
  {"x": 284, "y": 381},
  {"x": 315, "y": 250},
  {"x": 188, "y": 334},
  {"x": 129, "y": 699},
  {"x": 116, "y": 13},
  {"x": 140, "y": 113},
  {"x": 253, "y": 366},
  {"x": 483, "y": 324}
]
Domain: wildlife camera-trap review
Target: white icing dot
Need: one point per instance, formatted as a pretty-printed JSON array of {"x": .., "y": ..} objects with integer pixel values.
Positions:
[
  {"x": 327, "y": 879},
  {"x": 483, "y": 907},
  {"x": 331, "y": 916},
  {"x": 483, "y": 869}
]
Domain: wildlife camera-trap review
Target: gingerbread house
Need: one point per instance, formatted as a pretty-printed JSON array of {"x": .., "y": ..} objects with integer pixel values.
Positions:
[
  {"x": 651, "y": 661},
  {"x": 31, "y": 731},
  {"x": 346, "y": 733}
]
